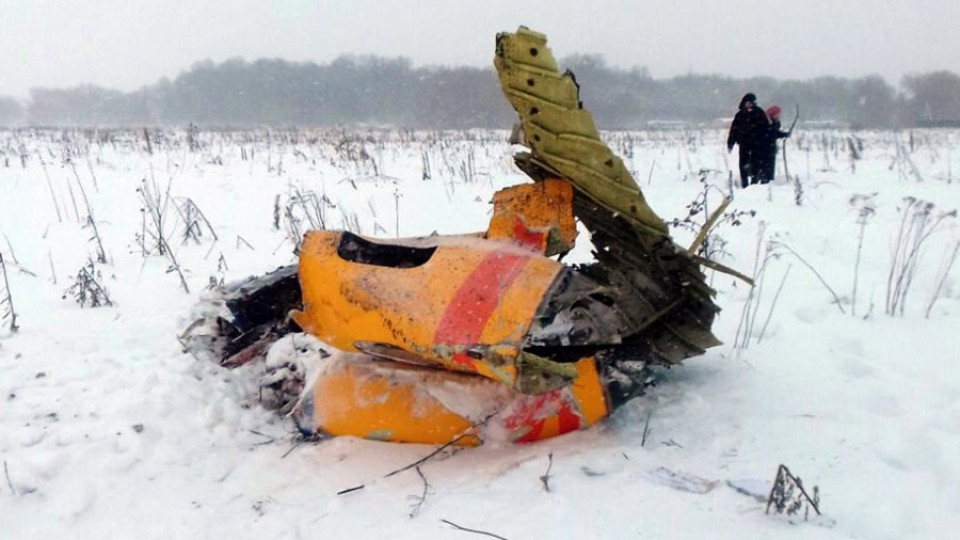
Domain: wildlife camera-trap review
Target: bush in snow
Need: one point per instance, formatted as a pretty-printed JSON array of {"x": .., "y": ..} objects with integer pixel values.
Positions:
[{"x": 87, "y": 287}]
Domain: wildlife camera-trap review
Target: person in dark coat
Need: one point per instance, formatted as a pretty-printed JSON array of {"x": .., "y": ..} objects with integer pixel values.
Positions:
[
  {"x": 749, "y": 131},
  {"x": 773, "y": 134}
]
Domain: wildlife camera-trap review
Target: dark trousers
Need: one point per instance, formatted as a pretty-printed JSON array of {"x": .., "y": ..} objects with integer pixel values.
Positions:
[
  {"x": 751, "y": 164},
  {"x": 769, "y": 165}
]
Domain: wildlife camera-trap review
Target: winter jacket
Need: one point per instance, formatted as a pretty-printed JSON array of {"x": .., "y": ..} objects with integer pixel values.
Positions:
[
  {"x": 749, "y": 127},
  {"x": 773, "y": 133}
]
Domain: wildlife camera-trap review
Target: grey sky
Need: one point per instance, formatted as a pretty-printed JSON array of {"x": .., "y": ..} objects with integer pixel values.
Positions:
[{"x": 126, "y": 44}]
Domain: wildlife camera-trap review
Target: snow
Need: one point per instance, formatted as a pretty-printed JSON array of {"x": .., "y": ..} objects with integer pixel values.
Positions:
[{"x": 108, "y": 430}]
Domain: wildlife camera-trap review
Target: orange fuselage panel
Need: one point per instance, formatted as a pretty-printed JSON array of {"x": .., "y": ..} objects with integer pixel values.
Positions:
[
  {"x": 471, "y": 292},
  {"x": 374, "y": 399},
  {"x": 465, "y": 304}
]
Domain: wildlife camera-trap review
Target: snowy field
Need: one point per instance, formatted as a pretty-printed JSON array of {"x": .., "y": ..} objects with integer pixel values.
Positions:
[{"x": 841, "y": 365}]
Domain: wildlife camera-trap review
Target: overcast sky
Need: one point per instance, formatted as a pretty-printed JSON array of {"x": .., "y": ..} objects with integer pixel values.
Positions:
[{"x": 126, "y": 44}]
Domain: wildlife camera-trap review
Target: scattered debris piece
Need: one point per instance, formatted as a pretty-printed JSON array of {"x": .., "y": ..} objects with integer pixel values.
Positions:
[
  {"x": 751, "y": 487},
  {"x": 681, "y": 481}
]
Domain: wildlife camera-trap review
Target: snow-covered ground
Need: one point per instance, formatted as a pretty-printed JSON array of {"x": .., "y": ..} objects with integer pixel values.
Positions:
[{"x": 108, "y": 430}]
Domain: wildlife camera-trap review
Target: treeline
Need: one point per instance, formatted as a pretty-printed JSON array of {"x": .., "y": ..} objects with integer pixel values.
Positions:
[{"x": 379, "y": 91}]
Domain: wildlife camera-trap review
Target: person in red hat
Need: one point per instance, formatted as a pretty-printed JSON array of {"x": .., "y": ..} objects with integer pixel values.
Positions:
[{"x": 769, "y": 150}]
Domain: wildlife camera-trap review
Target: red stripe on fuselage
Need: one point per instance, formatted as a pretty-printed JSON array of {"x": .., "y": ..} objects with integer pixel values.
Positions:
[
  {"x": 526, "y": 237},
  {"x": 476, "y": 300}
]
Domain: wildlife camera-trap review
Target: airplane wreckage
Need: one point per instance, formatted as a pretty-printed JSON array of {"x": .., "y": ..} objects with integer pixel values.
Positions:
[{"x": 481, "y": 337}]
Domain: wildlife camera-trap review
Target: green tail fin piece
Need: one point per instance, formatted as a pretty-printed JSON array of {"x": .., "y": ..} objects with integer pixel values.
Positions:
[{"x": 562, "y": 134}]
